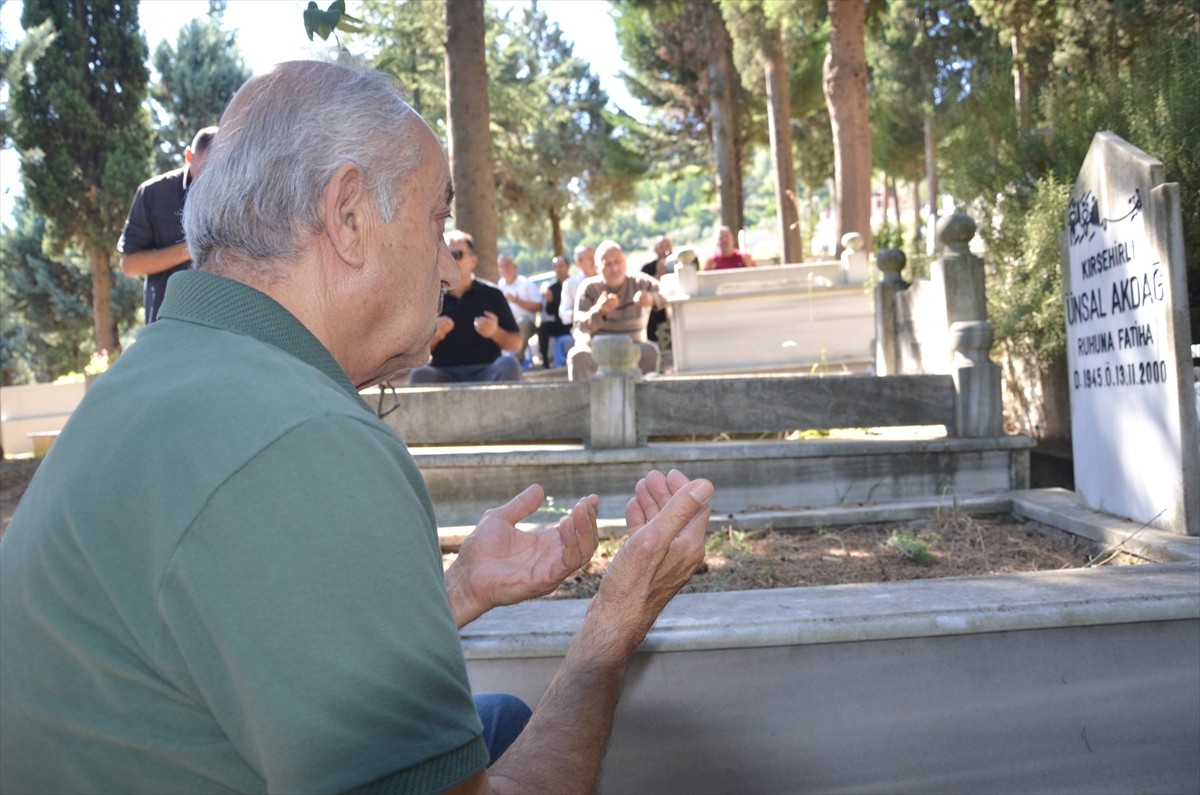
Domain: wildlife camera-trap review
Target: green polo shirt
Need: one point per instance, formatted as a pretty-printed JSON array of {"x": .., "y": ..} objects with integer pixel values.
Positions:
[{"x": 226, "y": 577}]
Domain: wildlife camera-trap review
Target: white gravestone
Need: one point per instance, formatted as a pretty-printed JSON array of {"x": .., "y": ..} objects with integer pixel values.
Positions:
[{"x": 1133, "y": 411}]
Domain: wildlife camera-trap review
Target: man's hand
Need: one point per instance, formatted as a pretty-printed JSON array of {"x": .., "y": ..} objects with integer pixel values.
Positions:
[
  {"x": 562, "y": 746},
  {"x": 644, "y": 298},
  {"x": 445, "y": 324},
  {"x": 667, "y": 519},
  {"x": 501, "y": 565},
  {"x": 486, "y": 325},
  {"x": 650, "y": 495}
]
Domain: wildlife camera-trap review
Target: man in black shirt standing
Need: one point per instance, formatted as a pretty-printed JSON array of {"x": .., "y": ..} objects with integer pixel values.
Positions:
[
  {"x": 152, "y": 243},
  {"x": 475, "y": 329},
  {"x": 551, "y": 327},
  {"x": 657, "y": 268}
]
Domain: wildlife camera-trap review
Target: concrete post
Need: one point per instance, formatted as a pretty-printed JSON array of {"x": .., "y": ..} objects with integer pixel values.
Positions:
[
  {"x": 977, "y": 407},
  {"x": 960, "y": 271},
  {"x": 891, "y": 261},
  {"x": 613, "y": 393}
]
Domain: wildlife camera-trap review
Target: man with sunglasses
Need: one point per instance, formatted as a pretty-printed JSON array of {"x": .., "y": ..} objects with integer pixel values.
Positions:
[{"x": 474, "y": 331}]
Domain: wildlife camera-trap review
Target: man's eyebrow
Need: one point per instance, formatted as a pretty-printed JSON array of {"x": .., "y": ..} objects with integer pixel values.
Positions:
[{"x": 449, "y": 195}]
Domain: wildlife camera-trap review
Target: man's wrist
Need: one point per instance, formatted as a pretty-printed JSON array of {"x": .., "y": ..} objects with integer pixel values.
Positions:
[
  {"x": 605, "y": 637},
  {"x": 463, "y": 605}
]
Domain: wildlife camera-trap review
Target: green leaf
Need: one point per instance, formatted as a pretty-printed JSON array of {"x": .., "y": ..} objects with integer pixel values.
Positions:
[{"x": 325, "y": 22}]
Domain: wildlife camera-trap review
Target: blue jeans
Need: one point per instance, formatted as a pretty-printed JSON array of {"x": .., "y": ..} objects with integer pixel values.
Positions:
[
  {"x": 504, "y": 368},
  {"x": 561, "y": 345},
  {"x": 503, "y": 717}
]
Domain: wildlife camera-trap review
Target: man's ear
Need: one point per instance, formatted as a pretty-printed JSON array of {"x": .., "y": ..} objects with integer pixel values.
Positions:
[{"x": 346, "y": 208}]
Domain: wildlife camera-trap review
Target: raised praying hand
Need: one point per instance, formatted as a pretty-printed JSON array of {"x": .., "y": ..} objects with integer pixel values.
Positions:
[{"x": 499, "y": 564}]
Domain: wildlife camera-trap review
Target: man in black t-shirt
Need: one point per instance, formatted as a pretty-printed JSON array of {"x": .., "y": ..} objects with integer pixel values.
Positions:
[
  {"x": 475, "y": 329},
  {"x": 657, "y": 268},
  {"x": 151, "y": 243},
  {"x": 551, "y": 326}
]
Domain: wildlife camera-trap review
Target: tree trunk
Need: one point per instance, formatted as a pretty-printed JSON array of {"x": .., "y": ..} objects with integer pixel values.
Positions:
[
  {"x": 556, "y": 241},
  {"x": 883, "y": 200},
  {"x": 469, "y": 132},
  {"x": 105, "y": 328},
  {"x": 721, "y": 77},
  {"x": 1020, "y": 79},
  {"x": 895, "y": 199},
  {"x": 916, "y": 222},
  {"x": 931, "y": 181},
  {"x": 845, "y": 87},
  {"x": 779, "y": 120}
]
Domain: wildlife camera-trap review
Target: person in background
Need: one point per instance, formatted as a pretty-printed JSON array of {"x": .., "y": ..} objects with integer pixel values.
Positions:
[
  {"x": 254, "y": 600},
  {"x": 657, "y": 268},
  {"x": 585, "y": 260},
  {"x": 727, "y": 256},
  {"x": 524, "y": 299},
  {"x": 475, "y": 328},
  {"x": 152, "y": 244},
  {"x": 554, "y": 336},
  {"x": 614, "y": 302}
]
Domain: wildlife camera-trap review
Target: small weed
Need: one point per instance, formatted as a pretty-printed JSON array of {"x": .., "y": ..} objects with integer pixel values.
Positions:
[
  {"x": 548, "y": 513},
  {"x": 810, "y": 433},
  {"x": 609, "y": 547},
  {"x": 912, "y": 548},
  {"x": 733, "y": 544}
]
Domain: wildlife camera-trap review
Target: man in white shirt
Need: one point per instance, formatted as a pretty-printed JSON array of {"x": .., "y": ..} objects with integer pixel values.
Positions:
[
  {"x": 524, "y": 299},
  {"x": 585, "y": 260}
]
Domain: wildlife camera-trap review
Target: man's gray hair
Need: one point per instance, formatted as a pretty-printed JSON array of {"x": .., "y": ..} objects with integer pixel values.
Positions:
[
  {"x": 605, "y": 247},
  {"x": 282, "y": 138}
]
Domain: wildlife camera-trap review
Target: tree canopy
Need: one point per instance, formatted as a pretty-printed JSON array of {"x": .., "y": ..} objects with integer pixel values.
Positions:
[
  {"x": 84, "y": 133},
  {"x": 197, "y": 77},
  {"x": 993, "y": 102}
]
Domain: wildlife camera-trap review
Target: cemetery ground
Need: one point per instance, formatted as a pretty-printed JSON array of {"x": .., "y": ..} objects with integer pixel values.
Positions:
[
  {"x": 951, "y": 544},
  {"x": 948, "y": 545}
]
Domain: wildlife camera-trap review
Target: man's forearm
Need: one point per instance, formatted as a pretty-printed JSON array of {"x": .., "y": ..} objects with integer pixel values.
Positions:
[
  {"x": 562, "y": 747},
  {"x": 155, "y": 260},
  {"x": 591, "y": 319},
  {"x": 510, "y": 341},
  {"x": 531, "y": 306}
]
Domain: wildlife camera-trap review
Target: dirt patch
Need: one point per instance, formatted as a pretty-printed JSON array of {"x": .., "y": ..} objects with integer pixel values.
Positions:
[
  {"x": 954, "y": 545},
  {"x": 946, "y": 546},
  {"x": 957, "y": 546}
]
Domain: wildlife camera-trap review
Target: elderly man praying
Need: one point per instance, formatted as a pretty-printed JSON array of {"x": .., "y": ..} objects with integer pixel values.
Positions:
[{"x": 613, "y": 302}]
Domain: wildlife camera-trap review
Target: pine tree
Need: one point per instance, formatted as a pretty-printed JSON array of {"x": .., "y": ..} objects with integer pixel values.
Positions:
[
  {"x": 46, "y": 326},
  {"x": 197, "y": 78},
  {"x": 84, "y": 135}
]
